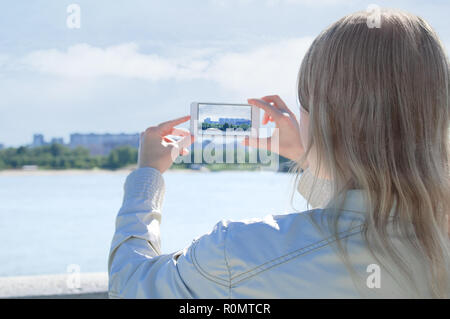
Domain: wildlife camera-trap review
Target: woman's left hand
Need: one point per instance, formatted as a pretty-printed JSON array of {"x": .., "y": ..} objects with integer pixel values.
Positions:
[{"x": 159, "y": 151}]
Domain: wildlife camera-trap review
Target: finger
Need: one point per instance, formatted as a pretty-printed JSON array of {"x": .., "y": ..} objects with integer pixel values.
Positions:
[
  {"x": 176, "y": 151},
  {"x": 275, "y": 99},
  {"x": 252, "y": 142},
  {"x": 180, "y": 132},
  {"x": 255, "y": 142},
  {"x": 273, "y": 111},
  {"x": 180, "y": 147},
  {"x": 266, "y": 118},
  {"x": 184, "y": 152},
  {"x": 278, "y": 102},
  {"x": 168, "y": 140},
  {"x": 185, "y": 141},
  {"x": 166, "y": 127}
]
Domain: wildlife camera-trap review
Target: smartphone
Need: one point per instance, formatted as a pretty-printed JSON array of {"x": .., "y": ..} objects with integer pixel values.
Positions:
[{"x": 224, "y": 119}]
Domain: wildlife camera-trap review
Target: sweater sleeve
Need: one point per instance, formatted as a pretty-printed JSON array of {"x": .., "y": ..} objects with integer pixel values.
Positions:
[{"x": 136, "y": 266}]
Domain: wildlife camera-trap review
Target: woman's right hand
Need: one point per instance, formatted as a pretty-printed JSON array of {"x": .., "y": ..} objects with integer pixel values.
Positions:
[{"x": 288, "y": 130}]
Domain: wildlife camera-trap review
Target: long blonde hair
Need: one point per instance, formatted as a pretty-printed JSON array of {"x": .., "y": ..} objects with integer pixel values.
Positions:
[{"x": 378, "y": 103}]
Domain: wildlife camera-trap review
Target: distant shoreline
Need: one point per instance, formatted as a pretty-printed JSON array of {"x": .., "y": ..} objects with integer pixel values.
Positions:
[
  {"x": 124, "y": 170},
  {"x": 42, "y": 172},
  {"x": 74, "y": 171}
]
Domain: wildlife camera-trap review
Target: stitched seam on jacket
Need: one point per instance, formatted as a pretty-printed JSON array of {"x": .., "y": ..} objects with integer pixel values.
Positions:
[
  {"x": 201, "y": 270},
  {"x": 260, "y": 269},
  {"x": 304, "y": 249},
  {"x": 142, "y": 263},
  {"x": 191, "y": 293}
]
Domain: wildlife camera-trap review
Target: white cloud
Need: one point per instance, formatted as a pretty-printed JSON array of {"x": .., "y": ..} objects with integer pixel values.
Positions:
[
  {"x": 83, "y": 60},
  {"x": 269, "y": 68}
]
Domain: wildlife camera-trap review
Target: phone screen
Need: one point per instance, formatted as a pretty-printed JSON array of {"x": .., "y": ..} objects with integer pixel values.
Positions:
[{"x": 232, "y": 119}]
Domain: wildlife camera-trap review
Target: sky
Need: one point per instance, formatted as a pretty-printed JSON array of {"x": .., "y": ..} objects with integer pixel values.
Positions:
[
  {"x": 215, "y": 112},
  {"x": 135, "y": 63}
]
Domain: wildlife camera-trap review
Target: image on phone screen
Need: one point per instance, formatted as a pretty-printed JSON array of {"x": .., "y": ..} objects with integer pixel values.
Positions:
[{"x": 220, "y": 119}]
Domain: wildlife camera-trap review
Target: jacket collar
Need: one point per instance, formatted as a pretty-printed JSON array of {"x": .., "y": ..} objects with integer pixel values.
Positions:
[{"x": 354, "y": 201}]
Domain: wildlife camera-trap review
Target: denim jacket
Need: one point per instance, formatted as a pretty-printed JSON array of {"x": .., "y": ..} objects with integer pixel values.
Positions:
[{"x": 279, "y": 256}]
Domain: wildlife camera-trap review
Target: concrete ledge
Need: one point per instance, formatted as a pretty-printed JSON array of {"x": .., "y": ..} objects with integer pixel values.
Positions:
[
  {"x": 94, "y": 295},
  {"x": 91, "y": 286}
]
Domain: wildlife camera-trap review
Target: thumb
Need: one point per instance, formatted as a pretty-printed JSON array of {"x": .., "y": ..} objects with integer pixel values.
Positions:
[
  {"x": 180, "y": 147},
  {"x": 186, "y": 141},
  {"x": 256, "y": 142}
]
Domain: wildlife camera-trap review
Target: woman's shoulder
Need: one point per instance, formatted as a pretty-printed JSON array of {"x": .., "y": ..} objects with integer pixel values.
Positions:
[
  {"x": 286, "y": 233},
  {"x": 283, "y": 224},
  {"x": 252, "y": 245}
]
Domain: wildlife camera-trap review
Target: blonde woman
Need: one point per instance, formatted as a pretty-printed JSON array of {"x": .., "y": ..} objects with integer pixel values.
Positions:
[{"x": 373, "y": 133}]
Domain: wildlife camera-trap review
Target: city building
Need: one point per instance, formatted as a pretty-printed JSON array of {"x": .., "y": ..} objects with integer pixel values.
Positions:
[
  {"x": 97, "y": 144},
  {"x": 38, "y": 140},
  {"x": 103, "y": 144},
  {"x": 57, "y": 140},
  {"x": 233, "y": 121}
]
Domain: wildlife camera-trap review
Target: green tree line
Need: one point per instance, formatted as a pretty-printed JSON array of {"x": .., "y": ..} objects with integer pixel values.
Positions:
[
  {"x": 225, "y": 126},
  {"x": 57, "y": 156}
]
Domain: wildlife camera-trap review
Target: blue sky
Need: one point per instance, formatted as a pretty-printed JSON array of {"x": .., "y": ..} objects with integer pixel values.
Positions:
[
  {"x": 135, "y": 63},
  {"x": 214, "y": 112}
]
